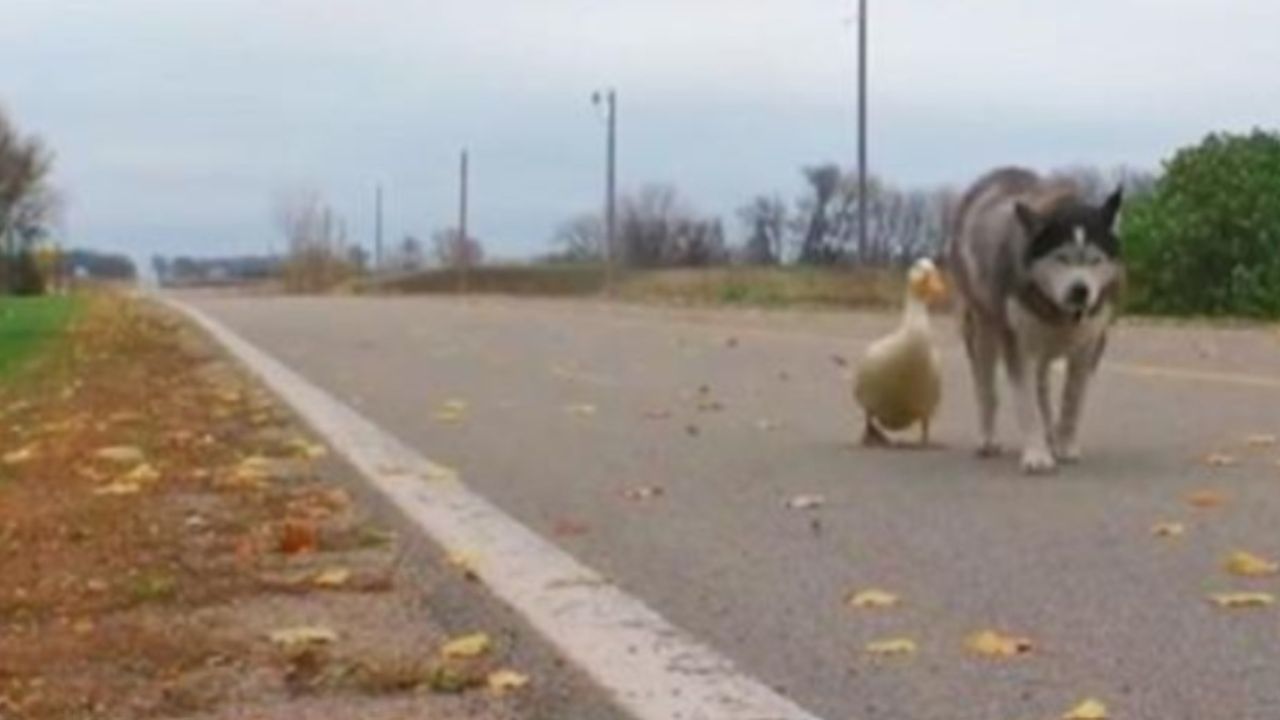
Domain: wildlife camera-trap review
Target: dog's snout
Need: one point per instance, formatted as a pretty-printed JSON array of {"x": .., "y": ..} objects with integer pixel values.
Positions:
[{"x": 1078, "y": 295}]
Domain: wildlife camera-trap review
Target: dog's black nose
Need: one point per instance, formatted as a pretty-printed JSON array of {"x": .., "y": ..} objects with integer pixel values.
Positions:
[{"x": 1078, "y": 295}]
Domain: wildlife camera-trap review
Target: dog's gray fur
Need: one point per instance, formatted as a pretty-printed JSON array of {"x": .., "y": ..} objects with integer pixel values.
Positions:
[{"x": 1037, "y": 270}]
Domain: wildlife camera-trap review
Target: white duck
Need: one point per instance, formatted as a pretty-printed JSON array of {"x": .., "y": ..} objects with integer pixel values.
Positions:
[{"x": 898, "y": 382}]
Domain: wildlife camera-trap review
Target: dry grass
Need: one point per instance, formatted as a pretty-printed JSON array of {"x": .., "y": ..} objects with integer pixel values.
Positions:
[{"x": 134, "y": 592}]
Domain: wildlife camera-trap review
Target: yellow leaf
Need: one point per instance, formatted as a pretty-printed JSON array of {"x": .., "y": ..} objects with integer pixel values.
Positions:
[
  {"x": 1168, "y": 529},
  {"x": 334, "y": 577},
  {"x": 1243, "y": 600},
  {"x": 892, "y": 647},
  {"x": 1249, "y": 565},
  {"x": 994, "y": 644},
  {"x": 452, "y": 411},
  {"x": 581, "y": 409},
  {"x": 142, "y": 474},
  {"x": 1261, "y": 440},
  {"x": 467, "y": 646},
  {"x": 303, "y": 635},
  {"x": 1206, "y": 499},
  {"x": 119, "y": 487},
  {"x": 1088, "y": 710},
  {"x": 20, "y": 457},
  {"x": 465, "y": 562},
  {"x": 121, "y": 454},
  {"x": 501, "y": 682},
  {"x": 873, "y": 600}
]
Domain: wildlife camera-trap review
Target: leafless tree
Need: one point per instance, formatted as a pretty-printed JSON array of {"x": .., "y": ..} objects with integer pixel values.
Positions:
[
  {"x": 453, "y": 252},
  {"x": 580, "y": 239},
  {"x": 765, "y": 219},
  {"x": 28, "y": 205},
  {"x": 315, "y": 235},
  {"x": 658, "y": 228}
]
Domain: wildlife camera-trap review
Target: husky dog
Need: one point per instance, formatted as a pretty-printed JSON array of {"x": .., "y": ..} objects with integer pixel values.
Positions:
[{"x": 1038, "y": 272}]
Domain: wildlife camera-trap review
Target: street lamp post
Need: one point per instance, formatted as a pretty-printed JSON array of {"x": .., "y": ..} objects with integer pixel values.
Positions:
[
  {"x": 862, "y": 129},
  {"x": 610, "y": 100}
]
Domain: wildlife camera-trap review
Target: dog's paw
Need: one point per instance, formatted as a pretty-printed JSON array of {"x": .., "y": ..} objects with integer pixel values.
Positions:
[
  {"x": 1037, "y": 461},
  {"x": 1067, "y": 453}
]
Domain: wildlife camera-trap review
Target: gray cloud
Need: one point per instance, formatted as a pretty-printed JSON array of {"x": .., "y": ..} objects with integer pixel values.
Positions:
[{"x": 177, "y": 122}]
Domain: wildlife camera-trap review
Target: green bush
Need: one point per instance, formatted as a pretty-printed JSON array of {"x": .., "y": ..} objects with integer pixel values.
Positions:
[{"x": 1206, "y": 241}]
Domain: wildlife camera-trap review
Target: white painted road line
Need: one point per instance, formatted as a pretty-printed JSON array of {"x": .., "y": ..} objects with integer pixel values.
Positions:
[{"x": 653, "y": 670}]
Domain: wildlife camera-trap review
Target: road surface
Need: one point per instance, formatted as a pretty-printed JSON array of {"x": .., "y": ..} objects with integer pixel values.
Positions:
[{"x": 568, "y": 406}]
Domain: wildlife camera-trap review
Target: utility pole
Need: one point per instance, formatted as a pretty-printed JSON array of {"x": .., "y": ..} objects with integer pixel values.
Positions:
[
  {"x": 463, "y": 249},
  {"x": 610, "y": 99},
  {"x": 862, "y": 129},
  {"x": 377, "y": 229}
]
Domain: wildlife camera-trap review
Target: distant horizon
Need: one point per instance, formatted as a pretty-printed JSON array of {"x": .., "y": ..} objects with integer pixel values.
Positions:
[{"x": 175, "y": 125}]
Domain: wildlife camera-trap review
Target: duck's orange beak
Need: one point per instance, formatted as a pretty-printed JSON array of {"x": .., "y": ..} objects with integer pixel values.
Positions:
[{"x": 935, "y": 287}]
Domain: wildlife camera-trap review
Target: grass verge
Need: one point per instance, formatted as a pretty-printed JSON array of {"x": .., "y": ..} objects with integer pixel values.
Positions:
[{"x": 26, "y": 324}]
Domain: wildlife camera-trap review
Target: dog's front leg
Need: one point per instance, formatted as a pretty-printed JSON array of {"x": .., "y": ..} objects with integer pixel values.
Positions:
[
  {"x": 1079, "y": 369},
  {"x": 1032, "y": 373}
]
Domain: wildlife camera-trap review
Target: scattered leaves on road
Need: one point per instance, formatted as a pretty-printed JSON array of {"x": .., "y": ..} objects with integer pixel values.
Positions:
[
  {"x": 1239, "y": 600},
  {"x": 1261, "y": 440},
  {"x": 990, "y": 643},
  {"x": 581, "y": 409},
  {"x": 805, "y": 502},
  {"x": 1219, "y": 459},
  {"x": 118, "y": 488},
  {"x": 892, "y": 647},
  {"x": 1088, "y": 710},
  {"x": 1246, "y": 564},
  {"x": 873, "y": 599},
  {"x": 644, "y": 493},
  {"x": 20, "y": 456},
  {"x": 1206, "y": 499},
  {"x": 1168, "y": 530},
  {"x": 465, "y": 562},
  {"x": 467, "y": 646},
  {"x": 451, "y": 412},
  {"x": 298, "y": 536}
]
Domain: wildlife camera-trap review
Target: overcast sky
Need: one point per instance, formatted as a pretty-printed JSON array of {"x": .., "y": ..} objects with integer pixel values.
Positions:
[{"x": 177, "y": 121}]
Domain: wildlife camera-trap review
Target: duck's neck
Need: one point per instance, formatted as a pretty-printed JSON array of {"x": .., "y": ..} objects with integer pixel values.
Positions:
[{"x": 916, "y": 314}]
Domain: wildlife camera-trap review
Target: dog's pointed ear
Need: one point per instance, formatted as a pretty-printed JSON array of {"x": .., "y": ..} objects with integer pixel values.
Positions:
[
  {"x": 1111, "y": 208},
  {"x": 1028, "y": 218}
]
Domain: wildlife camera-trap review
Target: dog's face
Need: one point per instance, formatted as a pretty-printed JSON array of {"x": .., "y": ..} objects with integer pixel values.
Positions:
[{"x": 1074, "y": 254}]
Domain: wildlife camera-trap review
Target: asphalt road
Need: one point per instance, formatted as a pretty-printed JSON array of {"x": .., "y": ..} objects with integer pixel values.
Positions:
[{"x": 570, "y": 405}]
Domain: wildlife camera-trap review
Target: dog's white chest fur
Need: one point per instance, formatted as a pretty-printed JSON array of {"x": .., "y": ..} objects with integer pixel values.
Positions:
[{"x": 1051, "y": 341}]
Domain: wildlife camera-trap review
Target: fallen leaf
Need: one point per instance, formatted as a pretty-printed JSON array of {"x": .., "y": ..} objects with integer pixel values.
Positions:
[
  {"x": 21, "y": 456},
  {"x": 501, "y": 682},
  {"x": 121, "y": 454},
  {"x": 295, "y": 637},
  {"x": 440, "y": 474},
  {"x": 452, "y": 411},
  {"x": 119, "y": 487},
  {"x": 1218, "y": 459},
  {"x": 581, "y": 409},
  {"x": 1261, "y": 440},
  {"x": 1168, "y": 530},
  {"x": 467, "y": 646},
  {"x": 710, "y": 406},
  {"x": 331, "y": 578},
  {"x": 646, "y": 492},
  {"x": 1247, "y": 564},
  {"x": 143, "y": 474},
  {"x": 565, "y": 528},
  {"x": 657, "y": 414},
  {"x": 993, "y": 644},
  {"x": 1088, "y": 710},
  {"x": 873, "y": 599},
  {"x": 805, "y": 502},
  {"x": 465, "y": 562},
  {"x": 1243, "y": 600},
  {"x": 900, "y": 647},
  {"x": 840, "y": 360},
  {"x": 298, "y": 536},
  {"x": 1206, "y": 499},
  {"x": 83, "y": 626},
  {"x": 692, "y": 430}
]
